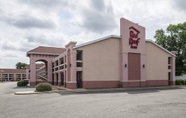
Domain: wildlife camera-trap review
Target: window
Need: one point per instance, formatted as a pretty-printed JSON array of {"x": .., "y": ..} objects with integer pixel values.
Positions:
[
  {"x": 62, "y": 61},
  {"x": 169, "y": 60},
  {"x": 79, "y": 55},
  {"x": 57, "y": 63},
  {"x": 79, "y": 64},
  {"x": 61, "y": 67},
  {"x": 65, "y": 66},
  {"x": 169, "y": 76}
]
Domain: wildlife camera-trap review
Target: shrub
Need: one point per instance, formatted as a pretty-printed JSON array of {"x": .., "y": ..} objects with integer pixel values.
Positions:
[
  {"x": 119, "y": 85},
  {"x": 180, "y": 82},
  {"x": 44, "y": 87},
  {"x": 177, "y": 82},
  {"x": 22, "y": 83}
]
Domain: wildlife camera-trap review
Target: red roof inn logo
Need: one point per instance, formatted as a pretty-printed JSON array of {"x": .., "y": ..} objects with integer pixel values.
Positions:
[{"x": 134, "y": 40}]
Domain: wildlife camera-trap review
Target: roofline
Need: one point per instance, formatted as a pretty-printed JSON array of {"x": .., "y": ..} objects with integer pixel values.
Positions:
[
  {"x": 97, "y": 40},
  {"x": 101, "y": 39},
  {"x": 71, "y": 42},
  {"x": 58, "y": 57},
  {"x": 46, "y": 47},
  {"x": 149, "y": 40},
  {"x": 42, "y": 53}
]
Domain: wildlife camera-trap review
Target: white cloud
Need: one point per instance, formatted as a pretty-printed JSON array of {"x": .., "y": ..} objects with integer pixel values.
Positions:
[{"x": 31, "y": 23}]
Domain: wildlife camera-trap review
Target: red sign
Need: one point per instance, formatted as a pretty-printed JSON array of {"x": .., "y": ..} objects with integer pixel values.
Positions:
[{"x": 134, "y": 40}]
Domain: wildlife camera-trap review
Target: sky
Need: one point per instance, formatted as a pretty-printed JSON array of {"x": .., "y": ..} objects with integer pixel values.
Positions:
[{"x": 27, "y": 24}]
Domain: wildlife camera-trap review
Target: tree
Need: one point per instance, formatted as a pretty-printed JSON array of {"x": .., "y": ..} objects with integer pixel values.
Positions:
[
  {"x": 174, "y": 39},
  {"x": 20, "y": 65}
]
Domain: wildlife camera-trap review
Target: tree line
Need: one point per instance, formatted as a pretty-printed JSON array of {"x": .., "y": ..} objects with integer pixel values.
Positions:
[{"x": 174, "y": 39}]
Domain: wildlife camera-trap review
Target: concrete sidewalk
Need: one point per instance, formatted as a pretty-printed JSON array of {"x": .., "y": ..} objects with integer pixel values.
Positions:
[{"x": 81, "y": 90}]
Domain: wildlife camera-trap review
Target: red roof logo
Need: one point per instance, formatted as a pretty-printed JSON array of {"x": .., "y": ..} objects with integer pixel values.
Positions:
[{"x": 133, "y": 40}]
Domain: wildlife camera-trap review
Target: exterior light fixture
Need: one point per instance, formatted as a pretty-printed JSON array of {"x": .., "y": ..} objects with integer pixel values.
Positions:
[
  {"x": 125, "y": 65},
  {"x": 143, "y": 65}
]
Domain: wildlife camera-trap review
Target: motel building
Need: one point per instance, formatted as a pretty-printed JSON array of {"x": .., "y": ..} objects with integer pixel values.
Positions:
[
  {"x": 12, "y": 74},
  {"x": 128, "y": 60}
]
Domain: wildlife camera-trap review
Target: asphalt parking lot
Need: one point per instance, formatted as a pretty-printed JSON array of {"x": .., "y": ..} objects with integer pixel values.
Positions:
[{"x": 153, "y": 103}]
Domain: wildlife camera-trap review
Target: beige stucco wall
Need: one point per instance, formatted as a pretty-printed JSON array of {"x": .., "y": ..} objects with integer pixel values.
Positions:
[
  {"x": 157, "y": 63},
  {"x": 101, "y": 60}
]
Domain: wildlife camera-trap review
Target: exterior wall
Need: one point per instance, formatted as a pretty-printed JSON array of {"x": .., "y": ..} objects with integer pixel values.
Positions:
[
  {"x": 128, "y": 31},
  {"x": 101, "y": 63},
  {"x": 71, "y": 66},
  {"x": 157, "y": 65},
  {"x": 173, "y": 66}
]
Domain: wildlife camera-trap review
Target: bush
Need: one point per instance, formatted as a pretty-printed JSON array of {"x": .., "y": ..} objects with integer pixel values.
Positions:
[
  {"x": 180, "y": 82},
  {"x": 22, "y": 83},
  {"x": 177, "y": 82},
  {"x": 44, "y": 87},
  {"x": 120, "y": 85}
]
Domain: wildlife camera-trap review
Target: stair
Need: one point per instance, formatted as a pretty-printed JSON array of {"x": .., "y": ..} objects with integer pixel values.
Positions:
[{"x": 42, "y": 77}]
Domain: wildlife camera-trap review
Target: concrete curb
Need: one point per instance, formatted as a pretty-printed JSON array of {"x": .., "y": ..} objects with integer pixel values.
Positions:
[
  {"x": 23, "y": 87},
  {"x": 126, "y": 89},
  {"x": 33, "y": 92},
  {"x": 100, "y": 90}
]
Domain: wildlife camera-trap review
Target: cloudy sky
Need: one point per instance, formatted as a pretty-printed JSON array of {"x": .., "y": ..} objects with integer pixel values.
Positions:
[{"x": 26, "y": 24}]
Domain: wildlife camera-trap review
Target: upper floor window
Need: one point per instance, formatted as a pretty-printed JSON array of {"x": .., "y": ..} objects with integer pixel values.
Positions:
[
  {"x": 57, "y": 63},
  {"x": 62, "y": 61},
  {"x": 169, "y": 60},
  {"x": 79, "y": 55}
]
